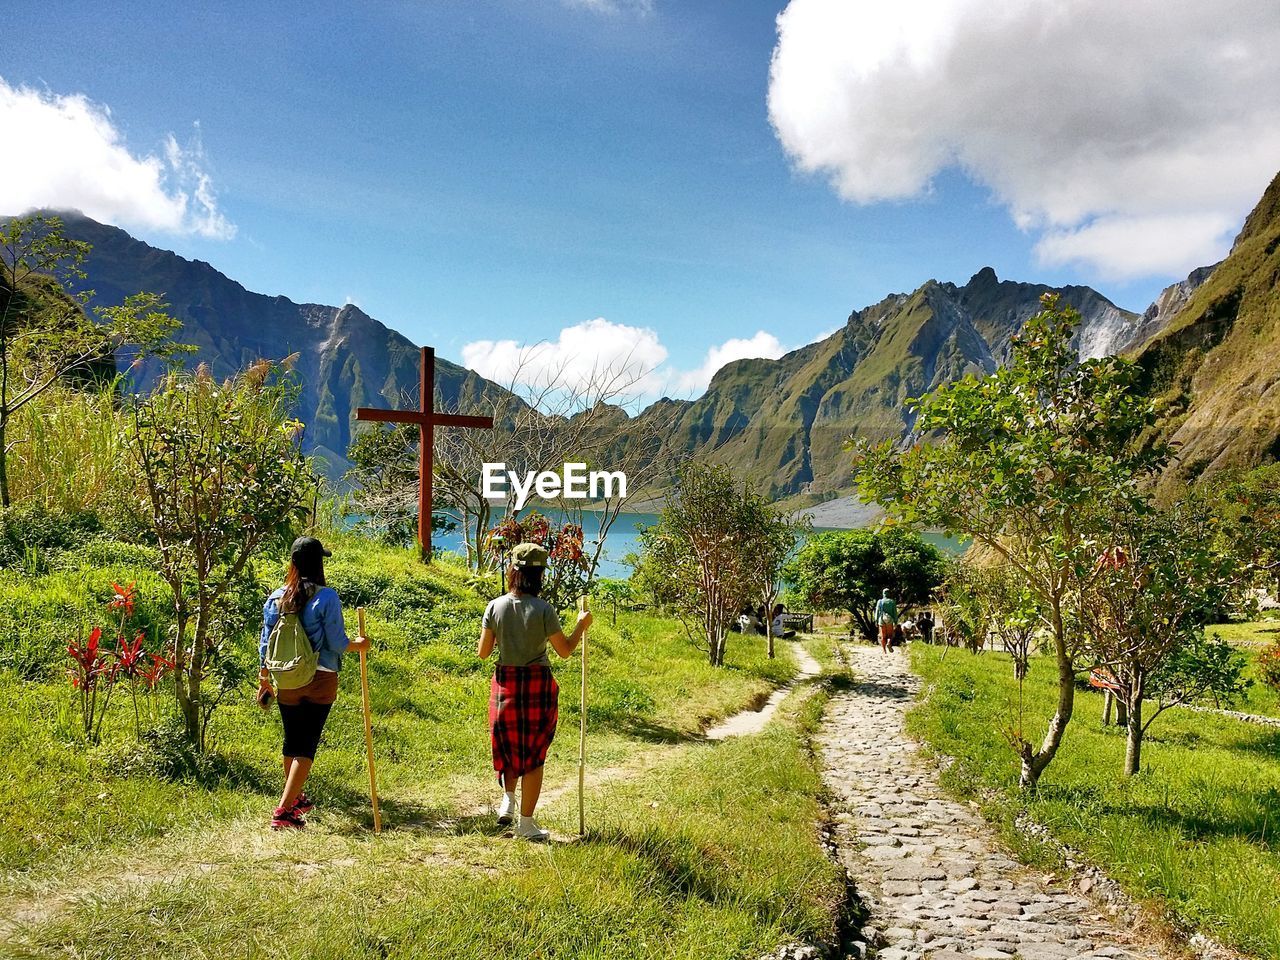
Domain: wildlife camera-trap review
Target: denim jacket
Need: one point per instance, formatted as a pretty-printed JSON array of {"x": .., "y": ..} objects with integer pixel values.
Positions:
[{"x": 321, "y": 619}]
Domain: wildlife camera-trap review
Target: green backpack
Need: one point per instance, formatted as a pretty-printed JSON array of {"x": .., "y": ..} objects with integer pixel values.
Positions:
[{"x": 290, "y": 658}]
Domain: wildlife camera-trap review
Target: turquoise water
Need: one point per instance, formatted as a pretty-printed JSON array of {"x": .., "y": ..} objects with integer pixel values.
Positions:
[{"x": 624, "y": 538}]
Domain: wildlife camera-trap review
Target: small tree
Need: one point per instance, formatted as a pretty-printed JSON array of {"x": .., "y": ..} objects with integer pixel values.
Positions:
[
  {"x": 1158, "y": 581},
  {"x": 45, "y": 335},
  {"x": 1030, "y": 462},
  {"x": 770, "y": 537},
  {"x": 694, "y": 557},
  {"x": 849, "y": 569},
  {"x": 384, "y": 481},
  {"x": 1249, "y": 507},
  {"x": 220, "y": 474},
  {"x": 614, "y": 592}
]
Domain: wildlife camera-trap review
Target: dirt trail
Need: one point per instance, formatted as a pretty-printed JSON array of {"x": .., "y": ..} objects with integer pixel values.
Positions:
[
  {"x": 747, "y": 722},
  {"x": 938, "y": 884}
]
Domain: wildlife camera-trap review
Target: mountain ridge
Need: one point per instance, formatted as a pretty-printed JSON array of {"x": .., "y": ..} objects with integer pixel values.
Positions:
[
  {"x": 345, "y": 358},
  {"x": 782, "y": 422}
]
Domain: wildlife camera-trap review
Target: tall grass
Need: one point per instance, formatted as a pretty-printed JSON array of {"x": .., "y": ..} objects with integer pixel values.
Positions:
[{"x": 68, "y": 452}]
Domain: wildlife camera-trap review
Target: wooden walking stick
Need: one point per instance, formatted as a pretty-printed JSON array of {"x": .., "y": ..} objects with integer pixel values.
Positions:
[
  {"x": 582, "y": 730},
  {"x": 368, "y": 726}
]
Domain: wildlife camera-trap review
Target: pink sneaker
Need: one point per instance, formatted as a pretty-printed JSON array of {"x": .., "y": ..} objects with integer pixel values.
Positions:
[{"x": 284, "y": 819}]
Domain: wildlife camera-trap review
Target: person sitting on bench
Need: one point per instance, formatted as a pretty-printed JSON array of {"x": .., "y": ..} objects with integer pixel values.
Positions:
[{"x": 780, "y": 623}]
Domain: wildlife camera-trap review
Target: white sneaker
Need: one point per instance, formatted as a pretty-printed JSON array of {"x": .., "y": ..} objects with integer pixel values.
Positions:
[
  {"x": 507, "y": 809},
  {"x": 528, "y": 829}
]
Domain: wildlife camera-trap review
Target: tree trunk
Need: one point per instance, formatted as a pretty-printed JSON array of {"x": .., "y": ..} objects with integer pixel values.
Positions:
[
  {"x": 865, "y": 624},
  {"x": 4, "y": 462},
  {"x": 768, "y": 629},
  {"x": 1108, "y": 700},
  {"x": 1034, "y": 763},
  {"x": 1122, "y": 712},
  {"x": 1133, "y": 740},
  {"x": 189, "y": 686}
]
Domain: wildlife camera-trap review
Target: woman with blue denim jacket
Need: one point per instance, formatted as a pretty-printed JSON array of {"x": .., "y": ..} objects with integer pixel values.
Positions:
[{"x": 303, "y": 712}]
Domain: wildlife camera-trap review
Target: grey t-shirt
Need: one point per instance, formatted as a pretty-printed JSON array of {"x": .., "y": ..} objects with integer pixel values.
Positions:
[{"x": 522, "y": 624}]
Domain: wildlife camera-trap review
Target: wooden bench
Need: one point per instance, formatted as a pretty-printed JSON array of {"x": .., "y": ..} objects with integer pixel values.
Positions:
[{"x": 799, "y": 622}]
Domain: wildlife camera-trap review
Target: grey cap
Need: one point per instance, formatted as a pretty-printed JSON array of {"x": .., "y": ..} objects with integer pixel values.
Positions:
[{"x": 528, "y": 555}]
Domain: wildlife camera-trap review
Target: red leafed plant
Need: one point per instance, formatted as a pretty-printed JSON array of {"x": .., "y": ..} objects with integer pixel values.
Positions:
[
  {"x": 569, "y": 570},
  {"x": 123, "y": 599},
  {"x": 91, "y": 672},
  {"x": 95, "y": 669}
]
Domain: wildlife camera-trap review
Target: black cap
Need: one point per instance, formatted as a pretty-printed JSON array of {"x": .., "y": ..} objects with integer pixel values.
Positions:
[{"x": 308, "y": 548}]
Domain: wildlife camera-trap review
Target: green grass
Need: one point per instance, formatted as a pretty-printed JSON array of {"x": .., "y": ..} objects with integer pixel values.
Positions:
[
  {"x": 711, "y": 854},
  {"x": 1196, "y": 829},
  {"x": 696, "y": 849},
  {"x": 1251, "y": 639}
]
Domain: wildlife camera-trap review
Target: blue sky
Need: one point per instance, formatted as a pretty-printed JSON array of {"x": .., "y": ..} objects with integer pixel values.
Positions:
[{"x": 503, "y": 170}]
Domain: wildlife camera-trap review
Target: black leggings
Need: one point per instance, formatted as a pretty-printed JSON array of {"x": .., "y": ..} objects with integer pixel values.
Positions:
[{"x": 303, "y": 724}]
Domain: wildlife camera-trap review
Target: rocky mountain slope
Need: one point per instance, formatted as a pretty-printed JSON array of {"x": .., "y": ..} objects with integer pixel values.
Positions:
[
  {"x": 1208, "y": 346},
  {"x": 785, "y": 421},
  {"x": 345, "y": 358},
  {"x": 1215, "y": 366}
]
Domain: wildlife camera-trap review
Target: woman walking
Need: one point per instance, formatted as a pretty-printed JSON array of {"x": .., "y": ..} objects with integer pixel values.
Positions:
[
  {"x": 523, "y": 704},
  {"x": 303, "y": 711}
]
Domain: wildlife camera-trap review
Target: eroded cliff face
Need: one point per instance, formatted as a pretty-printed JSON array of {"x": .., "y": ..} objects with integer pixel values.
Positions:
[
  {"x": 1214, "y": 366},
  {"x": 785, "y": 422}
]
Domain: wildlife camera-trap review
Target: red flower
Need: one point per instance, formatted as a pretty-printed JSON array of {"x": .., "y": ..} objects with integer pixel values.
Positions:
[
  {"x": 129, "y": 656},
  {"x": 123, "y": 599},
  {"x": 88, "y": 660}
]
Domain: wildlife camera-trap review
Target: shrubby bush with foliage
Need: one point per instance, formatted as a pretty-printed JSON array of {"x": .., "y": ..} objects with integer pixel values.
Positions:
[{"x": 1269, "y": 666}]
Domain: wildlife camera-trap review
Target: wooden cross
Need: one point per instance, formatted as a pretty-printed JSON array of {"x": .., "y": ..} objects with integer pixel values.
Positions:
[{"x": 427, "y": 420}]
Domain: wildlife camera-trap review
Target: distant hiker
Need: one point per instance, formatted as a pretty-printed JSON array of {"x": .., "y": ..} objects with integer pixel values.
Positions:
[
  {"x": 779, "y": 623},
  {"x": 924, "y": 623},
  {"x": 886, "y": 618},
  {"x": 303, "y": 613},
  {"x": 524, "y": 697}
]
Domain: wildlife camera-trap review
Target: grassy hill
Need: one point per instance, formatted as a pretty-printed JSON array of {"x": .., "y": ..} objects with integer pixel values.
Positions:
[{"x": 140, "y": 848}]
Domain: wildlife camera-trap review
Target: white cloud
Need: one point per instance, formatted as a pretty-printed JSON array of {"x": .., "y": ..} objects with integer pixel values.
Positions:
[
  {"x": 763, "y": 344},
  {"x": 1131, "y": 137},
  {"x": 66, "y": 152},
  {"x": 642, "y": 7},
  {"x": 598, "y": 349},
  {"x": 582, "y": 354}
]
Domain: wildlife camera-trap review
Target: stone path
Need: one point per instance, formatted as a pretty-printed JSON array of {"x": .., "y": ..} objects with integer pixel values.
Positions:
[{"x": 936, "y": 881}]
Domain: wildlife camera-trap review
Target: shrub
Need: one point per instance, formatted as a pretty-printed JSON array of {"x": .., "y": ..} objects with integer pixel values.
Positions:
[{"x": 1269, "y": 666}]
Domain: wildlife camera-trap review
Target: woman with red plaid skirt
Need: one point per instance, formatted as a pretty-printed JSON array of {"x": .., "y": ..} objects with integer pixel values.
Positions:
[{"x": 524, "y": 698}]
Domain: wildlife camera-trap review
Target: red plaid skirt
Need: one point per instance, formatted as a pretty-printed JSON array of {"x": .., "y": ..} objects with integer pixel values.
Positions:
[{"x": 523, "y": 709}]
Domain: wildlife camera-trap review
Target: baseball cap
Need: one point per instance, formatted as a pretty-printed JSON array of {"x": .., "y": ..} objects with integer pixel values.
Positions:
[
  {"x": 308, "y": 548},
  {"x": 528, "y": 555}
]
